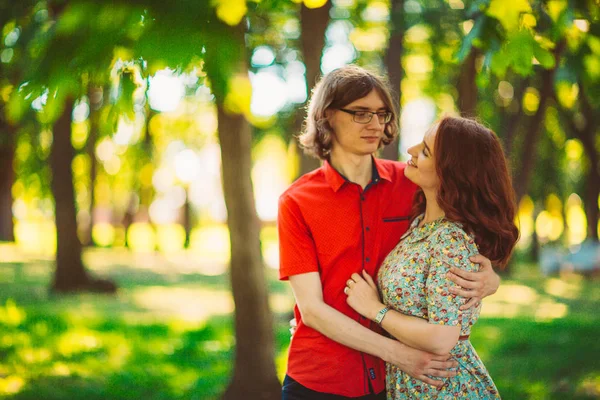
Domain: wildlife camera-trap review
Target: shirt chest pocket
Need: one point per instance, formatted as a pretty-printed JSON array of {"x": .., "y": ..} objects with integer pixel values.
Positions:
[
  {"x": 396, "y": 219},
  {"x": 392, "y": 229}
]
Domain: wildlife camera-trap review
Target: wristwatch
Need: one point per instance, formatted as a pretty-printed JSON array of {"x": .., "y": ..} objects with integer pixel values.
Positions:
[{"x": 381, "y": 314}]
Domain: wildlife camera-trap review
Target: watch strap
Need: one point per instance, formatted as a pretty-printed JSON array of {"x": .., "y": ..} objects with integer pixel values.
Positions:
[{"x": 381, "y": 314}]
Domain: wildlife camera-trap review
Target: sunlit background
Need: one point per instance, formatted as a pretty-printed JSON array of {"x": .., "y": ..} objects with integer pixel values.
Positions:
[{"x": 151, "y": 212}]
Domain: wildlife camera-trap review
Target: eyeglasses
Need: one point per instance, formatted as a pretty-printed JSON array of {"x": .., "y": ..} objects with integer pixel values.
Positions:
[{"x": 364, "y": 117}]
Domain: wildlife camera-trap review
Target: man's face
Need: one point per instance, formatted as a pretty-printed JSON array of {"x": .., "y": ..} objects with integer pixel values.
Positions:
[{"x": 355, "y": 138}]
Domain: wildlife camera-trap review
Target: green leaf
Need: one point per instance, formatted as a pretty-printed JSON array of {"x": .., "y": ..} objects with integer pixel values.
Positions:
[
  {"x": 520, "y": 49},
  {"x": 499, "y": 63},
  {"x": 508, "y": 12},
  {"x": 545, "y": 57}
]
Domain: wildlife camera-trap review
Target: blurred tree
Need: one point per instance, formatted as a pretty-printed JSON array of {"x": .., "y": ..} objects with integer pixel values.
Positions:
[
  {"x": 7, "y": 175},
  {"x": 12, "y": 19},
  {"x": 254, "y": 374},
  {"x": 70, "y": 273},
  {"x": 393, "y": 64},
  {"x": 467, "y": 85},
  {"x": 313, "y": 24}
]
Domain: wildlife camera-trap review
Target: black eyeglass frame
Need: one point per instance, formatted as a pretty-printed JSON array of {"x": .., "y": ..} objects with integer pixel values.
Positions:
[{"x": 388, "y": 115}]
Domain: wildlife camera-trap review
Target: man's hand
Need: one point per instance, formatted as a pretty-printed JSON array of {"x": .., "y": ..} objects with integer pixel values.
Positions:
[
  {"x": 422, "y": 365},
  {"x": 474, "y": 285}
]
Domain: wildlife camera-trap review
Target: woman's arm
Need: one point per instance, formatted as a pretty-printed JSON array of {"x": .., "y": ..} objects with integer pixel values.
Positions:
[
  {"x": 439, "y": 333},
  {"x": 413, "y": 331}
]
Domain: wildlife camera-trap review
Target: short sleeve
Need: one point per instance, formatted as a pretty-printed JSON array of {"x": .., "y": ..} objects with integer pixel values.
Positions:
[
  {"x": 451, "y": 247},
  {"x": 297, "y": 251}
]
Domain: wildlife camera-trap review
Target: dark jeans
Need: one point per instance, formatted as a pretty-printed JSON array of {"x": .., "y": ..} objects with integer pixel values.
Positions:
[{"x": 292, "y": 390}]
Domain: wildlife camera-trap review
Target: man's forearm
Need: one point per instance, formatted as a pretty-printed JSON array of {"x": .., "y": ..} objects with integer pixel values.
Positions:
[{"x": 344, "y": 330}]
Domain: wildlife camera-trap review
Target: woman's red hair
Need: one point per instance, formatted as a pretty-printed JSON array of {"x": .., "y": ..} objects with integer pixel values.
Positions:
[{"x": 475, "y": 186}]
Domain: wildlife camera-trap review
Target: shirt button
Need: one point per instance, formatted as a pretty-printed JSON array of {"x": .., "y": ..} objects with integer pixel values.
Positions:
[
  {"x": 367, "y": 229},
  {"x": 362, "y": 198},
  {"x": 367, "y": 259}
]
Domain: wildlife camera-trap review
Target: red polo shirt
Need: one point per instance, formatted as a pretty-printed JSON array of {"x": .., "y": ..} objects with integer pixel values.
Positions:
[{"x": 330, "y": 225}]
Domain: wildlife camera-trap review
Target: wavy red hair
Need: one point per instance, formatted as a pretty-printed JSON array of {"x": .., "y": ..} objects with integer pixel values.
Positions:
[{"x": 475, "y": 186}]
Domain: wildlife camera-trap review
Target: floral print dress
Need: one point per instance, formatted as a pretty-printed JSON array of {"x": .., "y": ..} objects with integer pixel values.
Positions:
[{"x": 412, "y": 280}]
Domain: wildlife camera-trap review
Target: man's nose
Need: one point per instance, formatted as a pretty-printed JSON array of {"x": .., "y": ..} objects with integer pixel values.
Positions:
[{"x": 375, "y": 123}]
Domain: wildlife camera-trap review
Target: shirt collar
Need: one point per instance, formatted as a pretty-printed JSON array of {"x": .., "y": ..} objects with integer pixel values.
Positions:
[{"x": 337, "y": 180}]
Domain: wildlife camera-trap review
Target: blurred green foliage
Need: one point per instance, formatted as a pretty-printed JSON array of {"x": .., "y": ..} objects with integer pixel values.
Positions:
[{"x": 98, "y": 347}]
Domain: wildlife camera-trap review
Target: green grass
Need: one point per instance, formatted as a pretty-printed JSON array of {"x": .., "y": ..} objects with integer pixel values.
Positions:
[{"x": 168, "y": 334}]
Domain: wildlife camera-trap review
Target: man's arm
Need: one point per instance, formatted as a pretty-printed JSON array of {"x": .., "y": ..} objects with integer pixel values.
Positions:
[
  {"x": 475, "y": 285},
  {"x": 318, "y": 315}
]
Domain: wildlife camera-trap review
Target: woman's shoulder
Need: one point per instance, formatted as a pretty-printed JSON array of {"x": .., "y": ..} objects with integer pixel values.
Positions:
[{"x": 452, "y": 233}]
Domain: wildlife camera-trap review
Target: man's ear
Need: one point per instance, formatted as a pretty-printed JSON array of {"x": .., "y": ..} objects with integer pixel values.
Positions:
[{"x": 329, "y": 114}]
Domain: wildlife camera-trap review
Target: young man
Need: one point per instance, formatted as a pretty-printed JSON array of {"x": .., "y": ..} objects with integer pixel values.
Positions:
[{"x": 343, "y": 218}]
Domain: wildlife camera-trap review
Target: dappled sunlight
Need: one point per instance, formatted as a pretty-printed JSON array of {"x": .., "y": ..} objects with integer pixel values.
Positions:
[
  {"x": 500, "y": 310},
  {"x": 11, "y": 314},
  {"x": 548, "y": 310},
  {"x": 561, "y": 288},
  {"x": 188, "y": 304},
  {"x": 211, "y": 243},
  {"x": 11, "y": 384},
  {"x": 77, "y": 341},
  {"x": 281, "y": 303},
  {"x": 15, "y": 253},
  {"x": 170, "y": 237},
  {"x": 515, "y": 294},
  {"x": 60, "y": 369},
  {"x": 513, "y": 300},
  {"x": 141, "y": 237},
  {"x": 33, "y": 355},
  {"x": 525, "y": 222},
  {"x": 589, "y": 386},
  {"x": 36, "y": 237}
]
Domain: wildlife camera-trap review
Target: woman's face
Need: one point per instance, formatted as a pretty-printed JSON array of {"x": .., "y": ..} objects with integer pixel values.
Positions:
[{"x": 421, "y": 167}]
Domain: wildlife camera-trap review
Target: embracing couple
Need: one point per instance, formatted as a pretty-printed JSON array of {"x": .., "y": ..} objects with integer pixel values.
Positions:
[{"x": 388, "y": 261}]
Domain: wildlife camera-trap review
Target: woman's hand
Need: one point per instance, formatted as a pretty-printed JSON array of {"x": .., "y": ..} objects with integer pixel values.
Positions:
[{"x": 363, "y": 296}]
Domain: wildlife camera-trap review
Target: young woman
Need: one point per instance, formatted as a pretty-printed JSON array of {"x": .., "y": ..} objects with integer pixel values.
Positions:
[{"x": 465, "y": 206}]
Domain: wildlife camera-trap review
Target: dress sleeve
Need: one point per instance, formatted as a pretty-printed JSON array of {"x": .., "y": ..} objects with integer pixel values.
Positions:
[
  {"x": 451, "y": 247},
  {"x": 297, "y": 251}
]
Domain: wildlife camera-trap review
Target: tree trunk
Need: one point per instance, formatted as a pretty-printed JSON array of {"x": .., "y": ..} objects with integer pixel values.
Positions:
[
  {"x": 467, "y": 86},
  {"x": 7, "y": 178},
  {"x": 523, "y": 178},
  {"x": 254, "y": 373},
  {"x": 313, "y": 23},
  {"x": 513, "y": 120},
  {"x": 393, "y": 63},
  {"x": 70, "y": 274}
]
